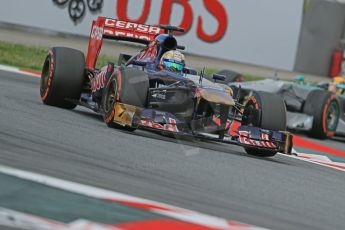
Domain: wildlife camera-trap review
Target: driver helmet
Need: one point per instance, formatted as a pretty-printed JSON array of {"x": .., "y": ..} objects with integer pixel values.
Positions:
[
  {"x": 338, "y": 85},
  {"x": 173, "y": 61}
]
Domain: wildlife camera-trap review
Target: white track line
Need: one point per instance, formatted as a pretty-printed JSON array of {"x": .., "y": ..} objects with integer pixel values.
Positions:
[
  {"x": 171, "y": 211},
  {"x": 17, "y": 70},
  {"x": 316, "y": 159}
]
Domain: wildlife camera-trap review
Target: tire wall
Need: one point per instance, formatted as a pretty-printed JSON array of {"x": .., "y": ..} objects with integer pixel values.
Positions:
[{"x": 323, "y": 27}]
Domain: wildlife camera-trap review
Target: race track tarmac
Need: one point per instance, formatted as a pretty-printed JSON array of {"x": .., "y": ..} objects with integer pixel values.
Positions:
[{"x": 216, "y": 179}]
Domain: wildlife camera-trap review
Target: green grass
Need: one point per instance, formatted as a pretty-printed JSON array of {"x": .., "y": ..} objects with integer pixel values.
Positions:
[
  {"x": 103, "y": 60},
  {"x": 248, "y": 77},
  {"x": 32, "y": 57},
  {"x": 22, "y": 56}
]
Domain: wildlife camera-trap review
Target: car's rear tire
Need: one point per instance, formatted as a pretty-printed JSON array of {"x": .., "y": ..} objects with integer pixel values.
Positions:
[
  {"x": 62, "y": 77},
  {"x": 267, "y": 111},
  {"x": 325, "y": 108}
]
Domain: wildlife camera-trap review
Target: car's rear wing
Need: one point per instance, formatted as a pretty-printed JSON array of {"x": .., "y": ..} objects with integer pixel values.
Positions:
[{"x": 113, "y": 29}]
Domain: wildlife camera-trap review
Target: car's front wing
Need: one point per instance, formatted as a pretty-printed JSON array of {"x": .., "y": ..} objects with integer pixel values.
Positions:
[{"x": 167, "y": 123}]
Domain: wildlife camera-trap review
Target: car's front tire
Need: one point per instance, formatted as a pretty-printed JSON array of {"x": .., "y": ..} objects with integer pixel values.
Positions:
[
  {"x": 266, "y": 111},
  {"x": 109, "y": 99}
]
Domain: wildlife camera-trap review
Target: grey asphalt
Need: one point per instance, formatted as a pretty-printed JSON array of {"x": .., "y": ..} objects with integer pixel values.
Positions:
[{"x": 216, "y": 179}]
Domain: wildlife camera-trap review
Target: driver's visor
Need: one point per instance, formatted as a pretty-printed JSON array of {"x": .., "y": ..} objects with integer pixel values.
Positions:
[{"x": 170, "y": 64}]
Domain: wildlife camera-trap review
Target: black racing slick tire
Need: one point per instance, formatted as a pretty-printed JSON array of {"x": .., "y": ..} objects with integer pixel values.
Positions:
[
  {"x": 109, "y": 99},
  {"x": 62, "y": 77},
  {"x": 128, "y": 86},
  {"x": 266, "y": 111},
  {"x": 325, "y": 108}
]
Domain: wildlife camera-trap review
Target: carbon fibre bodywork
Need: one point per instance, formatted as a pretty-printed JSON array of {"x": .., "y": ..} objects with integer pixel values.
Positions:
[{"x": 140, "y": 93}]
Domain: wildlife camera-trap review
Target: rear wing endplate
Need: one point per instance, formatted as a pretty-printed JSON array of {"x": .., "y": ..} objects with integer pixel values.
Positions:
[{"x": 107, "y": 28}]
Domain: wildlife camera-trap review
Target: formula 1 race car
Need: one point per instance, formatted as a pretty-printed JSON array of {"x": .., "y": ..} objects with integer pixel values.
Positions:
[
  {"x": 139, "y": 93},
  {"x": 310, "y": 108}
]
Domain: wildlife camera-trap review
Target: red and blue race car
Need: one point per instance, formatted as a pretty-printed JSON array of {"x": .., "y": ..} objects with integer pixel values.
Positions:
[{"x": 154, "y": 90}]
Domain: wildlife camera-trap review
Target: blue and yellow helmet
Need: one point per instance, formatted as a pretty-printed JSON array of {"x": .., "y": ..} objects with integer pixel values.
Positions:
[{"x": 173, "y": 61}]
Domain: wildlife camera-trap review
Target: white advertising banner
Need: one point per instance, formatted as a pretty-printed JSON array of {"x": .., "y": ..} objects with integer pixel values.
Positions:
[{"x": 260, "y": 32}]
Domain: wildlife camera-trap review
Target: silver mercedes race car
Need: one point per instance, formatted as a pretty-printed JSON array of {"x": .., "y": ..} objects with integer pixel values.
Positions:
[{"x": 310, "y": 108}]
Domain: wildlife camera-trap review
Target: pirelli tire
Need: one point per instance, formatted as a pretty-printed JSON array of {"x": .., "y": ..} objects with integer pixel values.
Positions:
[
  {"x": 267, "y": 111},
  {"x": 325, "y": 108},
  {"x": 62, "y": 77}
]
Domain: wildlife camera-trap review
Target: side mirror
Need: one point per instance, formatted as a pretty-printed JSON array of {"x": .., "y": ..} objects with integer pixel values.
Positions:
[
  {"x": 218, "y": 77},
  {"x": 190, "y": 71},
  {"x": 139, "y": 63}
]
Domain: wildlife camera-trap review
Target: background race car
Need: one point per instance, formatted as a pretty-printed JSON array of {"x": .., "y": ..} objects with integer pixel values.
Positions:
[{"x": 310, "y": 108}]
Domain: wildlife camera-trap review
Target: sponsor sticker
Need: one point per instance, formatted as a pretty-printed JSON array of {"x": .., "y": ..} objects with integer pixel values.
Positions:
[
  {"x": 245, "y": 138},
  {"x": 140, "y": 28},
  {"x": 171, "y": 127}
]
